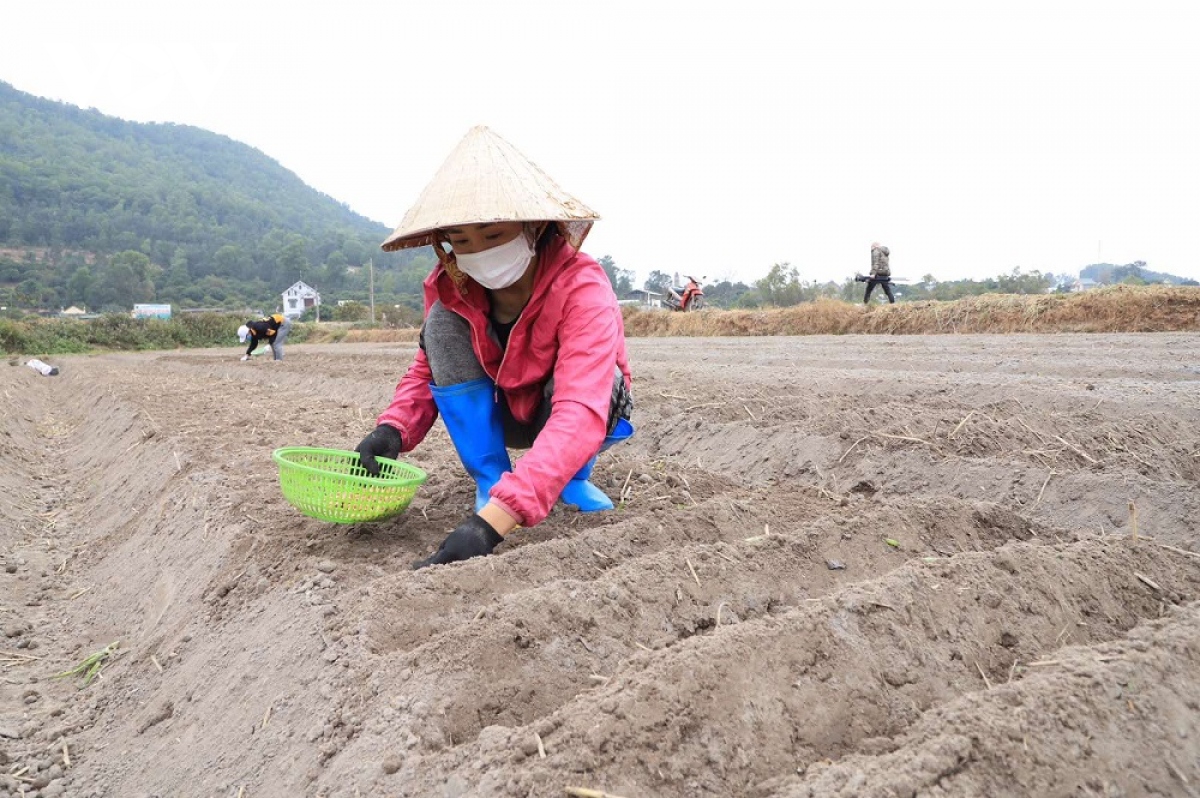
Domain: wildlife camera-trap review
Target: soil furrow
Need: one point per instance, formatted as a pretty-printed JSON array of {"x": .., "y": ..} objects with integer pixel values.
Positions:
[
  {"x": 571, "y": 634},
  {"x": 1060, "y": 706},
  {"x": 846, "y": 555},
  {"x": 785, "y": 564},
  {"x": 781, "y": 692}
]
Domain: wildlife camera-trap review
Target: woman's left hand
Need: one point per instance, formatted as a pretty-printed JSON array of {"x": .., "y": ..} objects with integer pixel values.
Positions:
[{"x": 474, "y": 537}]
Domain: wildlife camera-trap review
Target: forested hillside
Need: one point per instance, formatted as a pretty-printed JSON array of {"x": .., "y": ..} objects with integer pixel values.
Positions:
[
  {"x": 1135, "y": 273},
  {"x": 102, "y": 212}
]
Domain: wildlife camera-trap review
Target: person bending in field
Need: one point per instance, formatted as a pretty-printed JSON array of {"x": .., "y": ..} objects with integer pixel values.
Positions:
[
  {"x": 273, "y": 329},
  {"x": 523, "y": 344}
]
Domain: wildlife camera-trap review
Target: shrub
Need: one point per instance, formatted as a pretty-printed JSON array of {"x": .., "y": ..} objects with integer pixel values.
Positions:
[{"x": 120, "y": 331}]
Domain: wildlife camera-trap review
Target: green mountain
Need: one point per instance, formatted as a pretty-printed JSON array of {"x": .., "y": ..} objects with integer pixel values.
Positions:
[
  {"x": 1134, "y": 273},
  {"x": 102, "y": 212}
]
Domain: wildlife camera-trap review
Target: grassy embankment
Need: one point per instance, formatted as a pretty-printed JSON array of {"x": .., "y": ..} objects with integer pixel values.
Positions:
[
  {"x": 119, "y": 332},
  {"x": 1105, "y": 310}
]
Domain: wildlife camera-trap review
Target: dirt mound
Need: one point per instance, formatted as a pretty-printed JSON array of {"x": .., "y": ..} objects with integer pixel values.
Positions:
[
  {"x": 1141, "y": 691},
  {"x": 840, "y": 566}
]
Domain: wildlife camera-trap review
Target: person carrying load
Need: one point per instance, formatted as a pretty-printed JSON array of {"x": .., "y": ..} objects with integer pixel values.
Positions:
[{"x": 881, "y": 273}]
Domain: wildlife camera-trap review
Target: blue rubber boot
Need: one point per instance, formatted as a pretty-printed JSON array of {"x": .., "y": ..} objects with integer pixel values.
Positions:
[
  {"x": 580, "y": 491},
  {"x": 473, "y": 421}
]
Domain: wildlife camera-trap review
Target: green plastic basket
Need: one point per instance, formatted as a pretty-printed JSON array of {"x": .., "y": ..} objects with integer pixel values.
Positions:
[{"x": 332, "y": 485}]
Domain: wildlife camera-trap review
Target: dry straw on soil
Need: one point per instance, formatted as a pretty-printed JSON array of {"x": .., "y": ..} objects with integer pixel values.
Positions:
[
  {"x": 381, "y": 336},
  {"x": 1115, "y": 309},
  {"x": 1105, "y": 310},
  {"x": 331, "y": 334}
]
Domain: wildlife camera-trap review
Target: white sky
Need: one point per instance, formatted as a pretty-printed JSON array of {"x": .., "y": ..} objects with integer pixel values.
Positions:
[{"x": 713, "y": 138}]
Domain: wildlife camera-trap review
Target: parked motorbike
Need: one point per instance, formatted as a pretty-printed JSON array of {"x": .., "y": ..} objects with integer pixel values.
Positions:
[{"x": 685, "y": 298}]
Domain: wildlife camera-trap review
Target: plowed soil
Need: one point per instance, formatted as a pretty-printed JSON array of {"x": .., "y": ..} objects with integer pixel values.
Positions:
[{"x": 842, "y": 566}]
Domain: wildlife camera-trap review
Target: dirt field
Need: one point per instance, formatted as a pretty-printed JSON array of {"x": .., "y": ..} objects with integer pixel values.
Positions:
[{"x": 845, "y": 566}]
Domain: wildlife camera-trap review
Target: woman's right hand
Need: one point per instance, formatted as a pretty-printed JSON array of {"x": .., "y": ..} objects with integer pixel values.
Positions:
[{"x": 384, "y": 441}]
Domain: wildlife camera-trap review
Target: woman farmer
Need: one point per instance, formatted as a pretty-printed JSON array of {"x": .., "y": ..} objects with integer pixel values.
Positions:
[
  {"x": 523, "y": 344},
  {"x": 273, "y": 329}
]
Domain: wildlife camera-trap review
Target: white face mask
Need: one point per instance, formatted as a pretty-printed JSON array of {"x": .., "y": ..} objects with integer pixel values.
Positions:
[{"x": 498, "y": 267}]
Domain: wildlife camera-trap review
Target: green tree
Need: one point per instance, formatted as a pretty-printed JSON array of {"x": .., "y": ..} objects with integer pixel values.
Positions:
[
  {"x": 175, "y": 281},
  {"x": 79, "y": 285},
  {"x": 355, "y": 252},
  {"x": 333, "y": 275},
  {"x": 291, "y": 262},
  {"x": 781, "y": 287},
  {"x": 725, "y": 294},
  {"x": 36, "y": 294},
  {"x": 144, "y": 275},
  {"x": 138, "y": 263},
  {"x": 658, "y": 281},
  {"x": 351, "y": 311},
  {"x": 228, "y": 261},
  {"x": 1018, "y": 283},
  {"x": 621, "y": 279},
  {"x": 113, "y": 289}
]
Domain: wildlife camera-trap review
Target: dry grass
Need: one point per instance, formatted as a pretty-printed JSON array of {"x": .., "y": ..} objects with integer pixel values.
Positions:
[
  {"x": 1114, "y": 309},
  {"x": 334, "y": 333},
  {"x": 1104, "y": 310},
  {"x": 407, "y": 335}
]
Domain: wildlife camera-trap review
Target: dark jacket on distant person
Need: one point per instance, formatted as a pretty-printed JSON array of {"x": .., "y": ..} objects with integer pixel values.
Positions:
[{"x": 263, "y": 330}]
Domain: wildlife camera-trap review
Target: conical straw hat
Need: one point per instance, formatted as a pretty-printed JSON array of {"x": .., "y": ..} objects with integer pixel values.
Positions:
[{"x": 486, "y": 179}]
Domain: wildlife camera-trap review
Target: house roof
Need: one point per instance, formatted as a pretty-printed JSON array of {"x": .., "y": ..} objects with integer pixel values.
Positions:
[{"x": 300, "y": 287}]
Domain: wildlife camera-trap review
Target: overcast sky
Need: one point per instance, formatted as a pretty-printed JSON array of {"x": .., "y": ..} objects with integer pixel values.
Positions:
[{"x": 713, "y": 138}]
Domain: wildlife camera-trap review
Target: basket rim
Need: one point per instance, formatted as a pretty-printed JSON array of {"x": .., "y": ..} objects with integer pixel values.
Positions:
[{"x": 418, "y": 477}]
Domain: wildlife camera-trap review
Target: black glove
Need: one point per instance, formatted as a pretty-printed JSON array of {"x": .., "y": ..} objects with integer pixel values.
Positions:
[
  {"x": 472, "y": 538},
  {"x": 384, "y": 441}
]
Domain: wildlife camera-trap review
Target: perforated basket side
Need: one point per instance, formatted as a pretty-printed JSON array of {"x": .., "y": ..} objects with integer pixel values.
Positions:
[{"x": 331, "y": 485}]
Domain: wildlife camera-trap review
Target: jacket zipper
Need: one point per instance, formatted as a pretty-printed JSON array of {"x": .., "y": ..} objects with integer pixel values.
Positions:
[{"x": 504, "y": 357}]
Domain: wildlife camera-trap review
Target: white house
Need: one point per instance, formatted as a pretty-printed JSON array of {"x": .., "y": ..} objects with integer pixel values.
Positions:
[{"x": 299, "y": 298}]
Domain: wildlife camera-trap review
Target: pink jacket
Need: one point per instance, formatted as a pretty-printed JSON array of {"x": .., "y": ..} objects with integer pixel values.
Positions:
[{"x": 571, "y": 330}]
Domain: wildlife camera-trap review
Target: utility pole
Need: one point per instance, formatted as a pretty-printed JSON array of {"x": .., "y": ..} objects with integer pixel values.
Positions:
[{"x": 371, "y": 274}]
